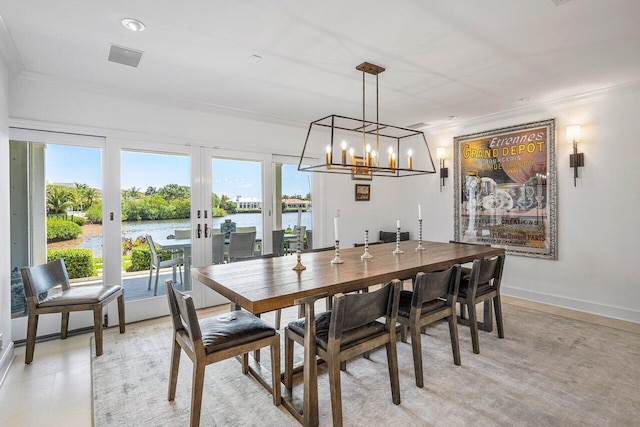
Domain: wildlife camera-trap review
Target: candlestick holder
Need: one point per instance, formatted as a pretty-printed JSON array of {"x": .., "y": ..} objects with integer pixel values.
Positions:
[
  {"x": 366, "y": 254},
  {"x": 336, "y": 259},
  {"x": 299, "y": 266},
  {"x": 398, "y": 250},
  {"x": 420, "y": 247}
]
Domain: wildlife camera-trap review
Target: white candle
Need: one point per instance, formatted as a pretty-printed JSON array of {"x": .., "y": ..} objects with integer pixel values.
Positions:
[
  {"x": 419, "y": 212},
  {"x": 299, "y": 216},
  {"x": 398, "y": 224},
  {"x": 335, "y": 227}
]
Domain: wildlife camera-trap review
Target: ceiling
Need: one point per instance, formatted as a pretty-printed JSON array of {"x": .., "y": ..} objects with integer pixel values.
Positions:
[{"x": 464, "y": 58}]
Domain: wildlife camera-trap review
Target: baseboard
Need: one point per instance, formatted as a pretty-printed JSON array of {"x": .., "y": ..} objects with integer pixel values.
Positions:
[
  {"x": 605, "y": 310},
  {"x": 5, "y": 362}
]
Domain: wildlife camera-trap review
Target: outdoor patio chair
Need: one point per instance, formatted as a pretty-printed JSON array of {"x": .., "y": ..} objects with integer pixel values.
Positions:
[
  {"x": 241, "y": 245},
  {"x": 293, "y": 243},
  {"x": 183, "y": 233},
  {"x": 214, "y": 339},
  {"x": 278, "y": 242},
  {"x": 156, "y": 263},
  {"x": 43, "y": 297},
  {"x": 218, "y": 248}
]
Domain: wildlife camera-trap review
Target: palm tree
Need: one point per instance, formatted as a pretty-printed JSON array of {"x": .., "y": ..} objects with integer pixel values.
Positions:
[
  {"x": 132, "y": 193},
  {"x": 58, "y": 199}
]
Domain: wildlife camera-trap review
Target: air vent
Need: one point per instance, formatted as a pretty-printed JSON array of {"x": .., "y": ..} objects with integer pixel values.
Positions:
[
  {"x": 418, "y": 125},
  {"x": 125, "y": 55},
  {"x": 559, "y": 2}
]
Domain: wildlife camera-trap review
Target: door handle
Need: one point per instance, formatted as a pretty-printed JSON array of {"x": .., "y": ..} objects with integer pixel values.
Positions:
[
  {"x": 199, "y": 231},
  {"x": 207, "y": 230}
]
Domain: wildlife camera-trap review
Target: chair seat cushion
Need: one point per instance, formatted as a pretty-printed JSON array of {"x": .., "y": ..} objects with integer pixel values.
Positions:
[
  {"x": 349, "y": 338},
  {"x": 428, "y": 307},
  {"x": 232, "y": 329},
  {"x": 90, "y": 294}
]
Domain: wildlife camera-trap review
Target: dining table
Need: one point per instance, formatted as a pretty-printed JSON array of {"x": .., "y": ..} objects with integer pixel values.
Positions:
[
  {"x": 185, "y": 245},
  {"x": 267, "y": 284}
]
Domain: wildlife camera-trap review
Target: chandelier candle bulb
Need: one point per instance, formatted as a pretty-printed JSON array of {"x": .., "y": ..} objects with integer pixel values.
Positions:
[
  {"x": 393, "y": 160},
  {"x": 368, "y": 155},
  {"x": 374, "y": 157},
  {"x": 328, "y": 156},
  {"x": 352, "y": 155},
  {"x": 409, "y": 159},
  {"x": 344, "y": 152}
]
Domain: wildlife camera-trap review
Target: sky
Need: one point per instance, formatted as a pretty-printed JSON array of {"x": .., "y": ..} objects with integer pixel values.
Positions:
[{"x": 69, "y": 164}]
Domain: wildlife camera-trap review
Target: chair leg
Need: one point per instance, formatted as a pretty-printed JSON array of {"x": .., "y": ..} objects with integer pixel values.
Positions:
[
  {"x": 245, "y": 363},
  {"x": 278, "y": 318},
  {"x": 97, "y": 327},
  {"x": 64, "y": 325},
  {"x": 150, "y": 277},
  {"x": 31, "y": 337},
  {"x": 155, "y": 289},
  {"x": 416, "y": 347},
  {"x": 173, "y": 369},
  {"x": 497, "y": 306},
  {"x": 455, "y": 343},
  {"x": 196, "y": 392},
  {"x": 121, "y": 319},
  {"x": 329, "y": 303},
  {"x": 288, "y": 360},
  {"x": 334, "y": 387},
  {"x": 275, "y": 370},
  {"x": 256, "y": 353},
  {"x": 392, "y": 361},
  {"x": 403, "y": 333},
  {"x": 473, "y": 325}
]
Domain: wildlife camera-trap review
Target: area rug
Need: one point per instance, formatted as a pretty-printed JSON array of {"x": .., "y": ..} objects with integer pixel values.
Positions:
[{"x": 547, "y": 371}]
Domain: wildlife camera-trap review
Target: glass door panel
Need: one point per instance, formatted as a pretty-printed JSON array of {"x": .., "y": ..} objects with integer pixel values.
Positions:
[{"x": 292, "y": 191}]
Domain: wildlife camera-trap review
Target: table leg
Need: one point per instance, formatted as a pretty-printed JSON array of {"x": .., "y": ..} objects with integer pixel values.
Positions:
[{"x": 310, "y": 408}]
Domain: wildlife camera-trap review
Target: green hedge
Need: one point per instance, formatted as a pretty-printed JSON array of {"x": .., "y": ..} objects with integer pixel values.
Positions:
[
  {"x": 79, "y": 262},
  {"x": 59, "y": 229},
  {"x": 78, "y": 220},
  {"x": 141, "y": 258}
]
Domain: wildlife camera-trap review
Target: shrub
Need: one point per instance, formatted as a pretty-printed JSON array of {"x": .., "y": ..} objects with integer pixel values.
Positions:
[
  {"x": 59, "y": 229},
  {"x": 141, "y": 258},
  {"x": 218, "y": 212},
  {"x": 94, "y": 213},
  {"x": 79, "y": 220},
  {"x": 79, "y": 262}
]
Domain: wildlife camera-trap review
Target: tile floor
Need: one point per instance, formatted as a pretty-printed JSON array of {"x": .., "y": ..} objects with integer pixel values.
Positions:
[{"x": 55, "y": 390}]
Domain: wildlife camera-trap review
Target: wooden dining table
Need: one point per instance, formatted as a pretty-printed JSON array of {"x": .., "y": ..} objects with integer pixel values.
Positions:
[{"x": 267, "y": 284}]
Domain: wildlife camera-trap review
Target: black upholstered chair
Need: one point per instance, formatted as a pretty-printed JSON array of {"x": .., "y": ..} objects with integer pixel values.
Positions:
[
  {"x": 481, "y": 284},
  {"x": 214, "y": 339},
  {"x": 351, "y": 328},
  {"x": 390, "y": 236},
  {"x": 433, "y": 298},
  {"x": 40, "y": 283}
]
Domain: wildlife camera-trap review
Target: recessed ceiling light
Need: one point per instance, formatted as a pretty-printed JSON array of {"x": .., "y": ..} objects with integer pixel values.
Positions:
[
  {"x": 452, "y": 117},
  {"x": 524, "y": 99},
  {"x": 253, "y": 59},
  {"x": 133, "y": 25}
]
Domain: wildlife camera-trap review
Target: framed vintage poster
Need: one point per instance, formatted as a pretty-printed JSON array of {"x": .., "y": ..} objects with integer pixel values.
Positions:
[
  {"x": 505, "y": 189},
  {"x": 363, "y": 192}
]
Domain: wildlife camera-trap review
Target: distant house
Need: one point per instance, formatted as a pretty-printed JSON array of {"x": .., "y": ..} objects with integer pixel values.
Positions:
[
  {"x": 297, "y": 203},
  {"x": 248, "y": 203}
]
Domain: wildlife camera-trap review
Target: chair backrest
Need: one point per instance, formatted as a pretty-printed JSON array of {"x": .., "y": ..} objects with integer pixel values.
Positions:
[
  {"x": 218, "y": 248},
  {"x": 183, "y": 233},
  {"x": 278, "y": 242},
  {"x": 183, "y": 314},
  {"x": 328, "y": 248},
  {"x": 355, "y": 310},
  {"x": 155, "y": 257},
  {"x": 216, "y": 231},
  {"x": 241, "y": 245},
  {"x": 390, "y": 236},
  {"x": 41, "y": 279},
  {"x": 246, "y": 229},
  {"x": 488, "y": 270},
  {"x": 438, "y": 284},
  {"x": 309, "y": 239}
]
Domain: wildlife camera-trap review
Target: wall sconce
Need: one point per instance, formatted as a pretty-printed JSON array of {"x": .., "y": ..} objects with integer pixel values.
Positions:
[
  {"x": 441, "y": 153},
  {"x": 576, "y": 159}
]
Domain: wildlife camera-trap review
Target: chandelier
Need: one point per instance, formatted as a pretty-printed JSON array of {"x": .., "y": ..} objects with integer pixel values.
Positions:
[{"x": 363, "y": 148}]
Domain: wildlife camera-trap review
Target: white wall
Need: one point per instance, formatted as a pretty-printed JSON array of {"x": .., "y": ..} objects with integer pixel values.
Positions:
[
  {"x": 6, "y": 354},
  {"x": 596, "y": 241}
]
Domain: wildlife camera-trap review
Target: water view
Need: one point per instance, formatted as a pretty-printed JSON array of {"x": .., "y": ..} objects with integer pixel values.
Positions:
[{"x": 161, "y": 229}]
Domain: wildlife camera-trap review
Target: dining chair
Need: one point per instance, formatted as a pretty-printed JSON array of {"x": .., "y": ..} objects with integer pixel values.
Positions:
[
  {"x": 182, "y": 233},
  {"x": 482, "y": 284},
  {"x": 214, "y": 339},
  {"x": 390, "y": 236},
  {"x": 217, "y": 240},
  {"x": 249, "y": 229},
  {"x": 433, "y": 298},
  {"x": 241, "y": 245},
  {"x": 156, "y": 263},
  {"x": 48, "y": 290},
  {"x": 278, "y": 242},
  {"x": 351, "y": 328}
]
